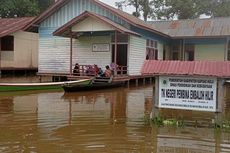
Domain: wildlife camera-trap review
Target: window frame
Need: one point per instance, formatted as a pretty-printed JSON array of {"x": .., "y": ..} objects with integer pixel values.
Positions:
[
  {"x": 190, "y": 48},
  {"x": 7, "y": 43},
  {"x": 151, "y": 49}
]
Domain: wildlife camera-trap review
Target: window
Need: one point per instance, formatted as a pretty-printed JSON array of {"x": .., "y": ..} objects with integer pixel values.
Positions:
[
  {"x": 7, "y": 43},
  {"x": 175, "y": 52},
  {"x": 189, "y": 52},
  {"x": 151, "y": 50},
  {"x": 175, "y": 56}
]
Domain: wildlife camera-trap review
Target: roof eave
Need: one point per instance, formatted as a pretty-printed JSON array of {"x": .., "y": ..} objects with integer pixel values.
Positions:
[{"x": 190, "y": 37}]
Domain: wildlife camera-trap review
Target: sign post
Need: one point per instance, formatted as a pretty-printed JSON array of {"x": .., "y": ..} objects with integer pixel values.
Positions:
[{"x": 189, "y": 93}]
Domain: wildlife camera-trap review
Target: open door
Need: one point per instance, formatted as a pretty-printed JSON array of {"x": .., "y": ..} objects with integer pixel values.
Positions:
[{"x": 122, "y": 54}]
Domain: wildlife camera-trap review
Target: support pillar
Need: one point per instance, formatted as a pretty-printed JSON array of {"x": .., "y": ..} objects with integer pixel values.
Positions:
[
  {"x": 71, "y": 52},
  {"x": 220, "y": 95},
  {"x": 150, "y": 80},
  {"x": 155, "y": 98},
  {"x": 227, "y": 49},
  {"x": 115, "y": 51},
  {"x": 136, "y": 82},
  {"x": 183, "y": 50},
  {"x": 143, "y": 81},
  {"x": 40, "y": 78},
  {"x": 156, "y": 92},
  {"x": 0, "y": 60},
  {"x": 128, "y": 83}
]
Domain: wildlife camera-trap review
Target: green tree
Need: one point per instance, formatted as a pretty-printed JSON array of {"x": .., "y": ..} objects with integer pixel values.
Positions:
[
  {"x": 120, "y": 5},
  {"x": 145, "y": 7},
  {"x": 141, "y": 7},
  {"x": 189, "y": 9},
  {"x": 170, "y": 9},
  {"x": 44, "y": 4},
  {"x": 220, "y": 8},
  {"x": 18, "y": 8}
]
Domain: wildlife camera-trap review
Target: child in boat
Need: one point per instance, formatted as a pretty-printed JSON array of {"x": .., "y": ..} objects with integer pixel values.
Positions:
[
  {"x": 108, "y": 71},
  {"x": 96, "y": 69},
  {"x": 100, "y": 72},
  {"x": 76, "y": 70}
]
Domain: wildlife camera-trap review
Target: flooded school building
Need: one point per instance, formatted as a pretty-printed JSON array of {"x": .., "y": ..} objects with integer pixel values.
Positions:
[{"x": 89, "y": 32}]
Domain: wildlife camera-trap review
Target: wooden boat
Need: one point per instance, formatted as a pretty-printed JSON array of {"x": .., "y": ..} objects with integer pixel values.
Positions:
[
  {"x": 96, "y": 84},
  {"x": 5, "y": 87}
]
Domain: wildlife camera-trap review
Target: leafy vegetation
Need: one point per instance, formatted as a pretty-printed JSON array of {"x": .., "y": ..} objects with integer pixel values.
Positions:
[
  {"x": 177, "y": 9},
  {"x": 217, "y": 125},
  {"x": 22, "y": 8},
  {"x": 159, "y": 121}
]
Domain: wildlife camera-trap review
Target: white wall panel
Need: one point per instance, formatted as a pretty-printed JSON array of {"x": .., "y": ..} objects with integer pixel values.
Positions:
[{"x": 137, "y": 51}]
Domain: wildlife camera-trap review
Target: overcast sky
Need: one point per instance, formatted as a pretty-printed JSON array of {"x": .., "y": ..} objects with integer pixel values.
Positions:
[{"x": 112, "y": 3}]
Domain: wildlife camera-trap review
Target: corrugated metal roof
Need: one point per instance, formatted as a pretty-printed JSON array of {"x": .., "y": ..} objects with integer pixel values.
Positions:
[
  {"x": 65, "y": 28},
  {"x": 213, "y": 27},
  {"x": 11, "y": 25},
  {"x": 193, "y": 68}
]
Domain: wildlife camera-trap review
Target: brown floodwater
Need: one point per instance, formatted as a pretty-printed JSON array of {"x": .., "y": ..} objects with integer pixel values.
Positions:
[{"x": 114, "y": 120}]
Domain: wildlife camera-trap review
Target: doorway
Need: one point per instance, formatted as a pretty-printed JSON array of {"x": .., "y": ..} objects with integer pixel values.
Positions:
[{"x": 122, "y": 54}]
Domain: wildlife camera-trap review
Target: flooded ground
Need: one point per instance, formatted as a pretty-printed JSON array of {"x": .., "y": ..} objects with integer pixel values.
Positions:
[{"x": 114, "y": 120}]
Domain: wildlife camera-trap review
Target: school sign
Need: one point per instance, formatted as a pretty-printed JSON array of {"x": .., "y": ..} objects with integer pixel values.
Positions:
[{"x": 189, "y": 93}]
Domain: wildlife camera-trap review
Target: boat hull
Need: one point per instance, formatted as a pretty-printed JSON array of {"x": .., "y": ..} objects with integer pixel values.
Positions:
[
  {"x": 89, "y": 87},
  {"x": 7, "y": 87}
]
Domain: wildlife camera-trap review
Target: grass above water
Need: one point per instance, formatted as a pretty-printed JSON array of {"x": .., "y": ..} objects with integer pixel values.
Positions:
[{"x": 218, "y": 125}]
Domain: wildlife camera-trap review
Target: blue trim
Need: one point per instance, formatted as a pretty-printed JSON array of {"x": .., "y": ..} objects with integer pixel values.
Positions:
[
  {"x": 46, "y": 32},
  {"x": 150, "y": 35}
]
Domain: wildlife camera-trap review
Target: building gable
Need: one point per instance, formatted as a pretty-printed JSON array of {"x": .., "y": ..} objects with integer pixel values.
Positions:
[
  {"x": 65, "y": 10},
  {"x": 91, "y": 24}
]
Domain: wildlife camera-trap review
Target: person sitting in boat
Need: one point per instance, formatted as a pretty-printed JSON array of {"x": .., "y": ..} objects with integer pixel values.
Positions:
[
  {"x": 100, "y": 72},
  {"x": 76, "y": 70},
  {"x": 108, "y": 71},
  {"x": 96, "y": 69},
  {"x": 114, "y": 68}
]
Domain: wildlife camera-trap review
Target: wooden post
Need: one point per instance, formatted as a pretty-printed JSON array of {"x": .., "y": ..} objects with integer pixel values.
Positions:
[
  {"x": 143, "y": 81},
  {"x": 220, "y": 95},
  {"x": 115, "y": 51},
  {"x": 183, "y": 50},
  {"x": 136, "y": 82},
  {"x": 40, "y": 78},
  {"x": 156, "y": 92},
  {"x": 0, "y": 59},
  {"x": 128, "y": 83},
  {"x": 227, "y": 49},
  {"x": 71, "y": 52},
  {"x": 156, "y": 98},
  {"x": 150, "y": 80}
]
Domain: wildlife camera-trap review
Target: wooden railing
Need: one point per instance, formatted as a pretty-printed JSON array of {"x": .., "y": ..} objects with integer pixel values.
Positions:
[
  {"x": 122, "y": 70},
  {"x": 89, "y": 70},
  {"x": 85, "y": 70}
]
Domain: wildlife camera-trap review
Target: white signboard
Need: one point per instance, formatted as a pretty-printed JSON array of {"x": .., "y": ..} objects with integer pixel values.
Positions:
[
  {"x": 101, "y": 47},
  {"x": 187, "y": 93}
]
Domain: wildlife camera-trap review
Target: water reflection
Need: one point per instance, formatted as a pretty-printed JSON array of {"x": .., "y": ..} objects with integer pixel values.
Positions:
[{"x": 99, "y": 121}]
